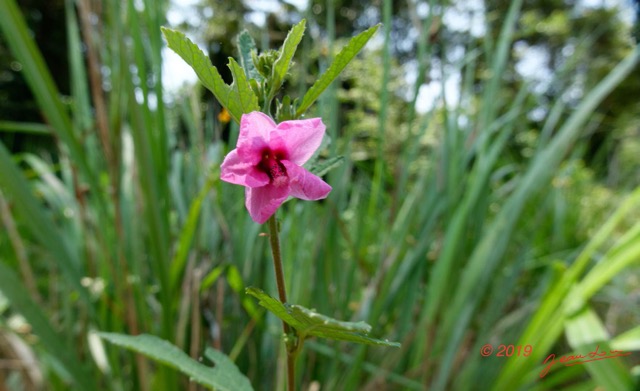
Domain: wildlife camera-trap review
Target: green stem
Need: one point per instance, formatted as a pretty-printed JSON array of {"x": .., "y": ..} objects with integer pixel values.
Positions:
[{"x": 290, "y": 340}]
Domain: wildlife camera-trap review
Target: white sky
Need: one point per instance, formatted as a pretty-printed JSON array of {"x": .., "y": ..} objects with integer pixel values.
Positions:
[{"x": 176, "y": 73}]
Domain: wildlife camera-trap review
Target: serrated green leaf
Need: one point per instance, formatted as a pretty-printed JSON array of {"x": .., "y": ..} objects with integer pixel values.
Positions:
[
  {"x": 237, "y": 98},
  {"x": 341, "y": 61},
  {"x": 310, "y": 323},
  {"x": 242, "y": 99},
  {"x": 321, "y": 168},
  {"x": 281, "y": 65},
  {"x": 246, "y": 45},
  {"x": 192, "y": 55},
  {"x": 224, "y": 376}
]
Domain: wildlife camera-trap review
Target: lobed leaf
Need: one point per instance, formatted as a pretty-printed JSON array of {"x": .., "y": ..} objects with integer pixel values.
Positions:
[
  {"x": 341, "y": 61},
  {"x": 310, "y": 323},
  {"x": 223, "y": 376},
  {"x": 238, "y": 98}
]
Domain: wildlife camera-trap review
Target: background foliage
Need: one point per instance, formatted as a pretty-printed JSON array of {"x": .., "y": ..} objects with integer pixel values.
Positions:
[{"x": 490, "y": 194}]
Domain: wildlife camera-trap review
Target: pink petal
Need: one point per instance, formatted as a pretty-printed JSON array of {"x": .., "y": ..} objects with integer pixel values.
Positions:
[
  {"x": 255, "y": 128},
  {"x": 234, "y": 169},
  {"x": 301, "y": 138},
  {"x": 256, "y": 124},
  {"x": 305, "y": 185},
  {"x": 262, "y": 202}
]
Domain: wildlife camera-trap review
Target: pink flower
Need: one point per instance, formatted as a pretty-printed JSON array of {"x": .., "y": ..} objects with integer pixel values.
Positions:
[{"x": 268, "y": 159}]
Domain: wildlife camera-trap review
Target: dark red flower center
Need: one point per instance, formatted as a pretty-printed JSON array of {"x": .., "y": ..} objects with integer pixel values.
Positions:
[{"x": 271, "y": 165}]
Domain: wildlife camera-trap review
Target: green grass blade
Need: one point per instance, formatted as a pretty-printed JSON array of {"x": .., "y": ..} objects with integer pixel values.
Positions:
[
  {"x": 83, "y": 117},
  {"x": 558, "y": 302},
  {"x": 211, "y": 278},
  {"x": 612, "y": 264},
  {"x": 234, "y": 278},
  {"x": 341, "y": 61},
  {"x": 335, "y": 354},
  {"x": 629, "y": 340},
  {"x": 187, "y": 233},
  {"x": 39, "y": 222},
  {"x": 486, "y": 258},
  {"x": 223, "y": 376},
  {"x": 379, "y": 169},
  {"x": 500, "y": 57},
  {"x": 12, "y": 287},
  {"x": 585, "y": 332},
  {"x": 24, "y": 127},
  {"x": 17, "y": 36}
]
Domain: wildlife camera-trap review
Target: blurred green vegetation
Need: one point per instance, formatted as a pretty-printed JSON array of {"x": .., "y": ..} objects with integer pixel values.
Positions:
[{"x": 505, "y": 213}]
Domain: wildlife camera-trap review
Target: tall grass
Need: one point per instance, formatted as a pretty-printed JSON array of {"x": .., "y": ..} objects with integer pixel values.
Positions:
[{"x": 130, "y": 230}]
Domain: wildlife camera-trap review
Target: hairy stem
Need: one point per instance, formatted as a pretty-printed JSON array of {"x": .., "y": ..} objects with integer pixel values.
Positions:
[{"x": 282, "y": 293}]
